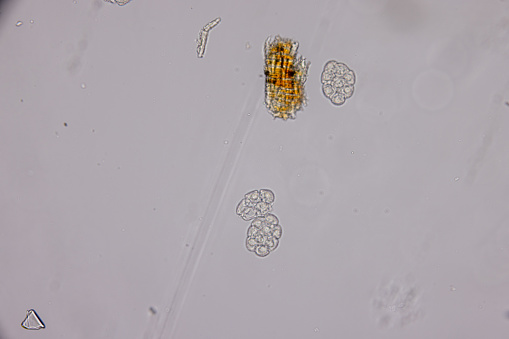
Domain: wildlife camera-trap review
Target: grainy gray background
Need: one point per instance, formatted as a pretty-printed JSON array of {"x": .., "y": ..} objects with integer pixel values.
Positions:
[{"x": 123, "y": 156}]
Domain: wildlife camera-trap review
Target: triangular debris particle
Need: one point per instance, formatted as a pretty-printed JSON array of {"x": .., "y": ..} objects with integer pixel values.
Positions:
[{"x": 32, "y": 321}]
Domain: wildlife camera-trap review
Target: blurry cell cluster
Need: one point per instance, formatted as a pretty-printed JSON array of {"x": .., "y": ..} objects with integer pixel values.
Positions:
[
  {"x": 263, "y": 235},
  {"x": 255, "y": 204},
  {"x": 337, "y": 82},
  {"x": 397, "y": 303},
  {"x": 265, "y": 231},
  {"x": 118, "y": 2}
]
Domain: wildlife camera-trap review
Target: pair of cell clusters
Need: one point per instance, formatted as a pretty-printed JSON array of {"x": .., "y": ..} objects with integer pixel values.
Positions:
[
  {"x": 286, "y": 73},
  {"x": 265, "y": 231}
]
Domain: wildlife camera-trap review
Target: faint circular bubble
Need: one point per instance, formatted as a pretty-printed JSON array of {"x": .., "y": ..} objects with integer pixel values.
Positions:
[
  {"x": 451, "y": 56},
  {"x": 396, "y": 303},
  {"x": 433, "y": 90},
  {"x": 309, "y": 185}
]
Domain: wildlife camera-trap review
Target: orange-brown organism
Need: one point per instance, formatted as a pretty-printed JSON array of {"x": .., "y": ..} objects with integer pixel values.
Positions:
[{"x": 285, "y": 75}]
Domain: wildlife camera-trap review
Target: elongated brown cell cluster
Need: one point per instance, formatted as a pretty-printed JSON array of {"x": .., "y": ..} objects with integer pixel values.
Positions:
[{"x": 285, "y": 75}]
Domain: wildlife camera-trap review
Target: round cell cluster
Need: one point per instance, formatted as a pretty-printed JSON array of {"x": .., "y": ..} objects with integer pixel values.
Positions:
[
  {"x": 337, "y": 82},
  {"x": 256, "y": 203},
  {"x": 263, "y": 235}
]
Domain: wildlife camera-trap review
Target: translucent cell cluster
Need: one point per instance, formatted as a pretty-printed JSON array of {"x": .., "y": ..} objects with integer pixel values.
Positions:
[
  {"x": 256, "y": 203},
  {"x": 337, "y": 82},
  {"x": 263, "y": 235}
]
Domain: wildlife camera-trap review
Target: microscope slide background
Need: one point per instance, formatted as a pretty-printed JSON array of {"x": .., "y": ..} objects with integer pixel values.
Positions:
[{"x": 123, "y": 157}]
